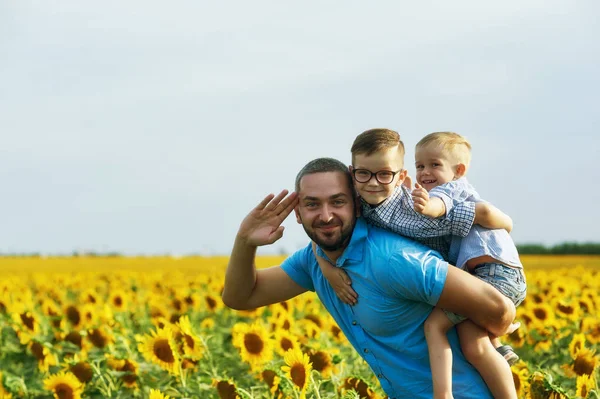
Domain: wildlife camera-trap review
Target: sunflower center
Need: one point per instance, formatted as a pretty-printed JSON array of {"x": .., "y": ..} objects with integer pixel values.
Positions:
[
  {"x": 64, "y": 391},
  {"x": 269, "y": 377},
  {"x": 253, "y": 343},
  {"x": 27, "y": 320},
  {"x": 163, "y": 351},
  {"x": 82, "y": 371},
  {"x": 315, "y": 319},
  {"x": 298, "y": 374},
  {"x": 583, "y": 365},
  {"x": 319, "y": 361},
  {"x": 226, "y": 390},
  {"x": 189, "y": 341},
  {"x": 129, "y": 378},
  {"x": 73, "y": 315},
  {"x": 566, "y": 309},
  {"x": 74, "y": 337},
  {"x": 540, "y": 314},
  {"x": 38, "y": 350},
  {"x": 212, "y": 304},
  {"x": 286, "y": 344},
  {"x": 97, "y": 338}
]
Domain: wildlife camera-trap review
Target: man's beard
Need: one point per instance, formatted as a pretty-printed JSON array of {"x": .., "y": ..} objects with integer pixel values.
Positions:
[{"x": 341, "y": 242}]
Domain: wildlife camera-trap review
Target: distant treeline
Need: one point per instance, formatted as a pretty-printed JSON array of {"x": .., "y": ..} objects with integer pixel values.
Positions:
[{"x": 566, "y": 248}]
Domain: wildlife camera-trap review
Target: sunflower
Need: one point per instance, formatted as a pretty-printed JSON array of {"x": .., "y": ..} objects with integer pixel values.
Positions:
[
  {"x": 100, "y": 337},
  {"x": 130, "y": 368},
  {"x": 119, "y": 300},
  {"x": 73, "y": 315},
  {"x": 322, "y": 362},
  {"x": 360, "y": 386},
  {"x": 191, "y": 344},
  {"x": 159, "y": 347},
  {"x": 226, "y": 389},
  {"x": 284, "y": 340},
  {"x": 585, "y": 383},
  {"x": 43, "y": 355},
  {"x": 576, "y": 344},
  {"x": 83, "y": 371},
  {"x": 585, "y": 362},
  {"x": 590, "y": 326},
  {"x": 566, "y": 308},
  {"x": 256, "y": 348},
  {"x": 64, "y": 386},
  {"x": 272, "y": 380},
  {"x": 520, "y": 377},
  {"x": 542, "y": 315},
  {"x": 298, "y": 368},
  {"x": 207, "y": 323},
  {"x": 156, "y": 394},
  {"x": 25, "y": 324}
]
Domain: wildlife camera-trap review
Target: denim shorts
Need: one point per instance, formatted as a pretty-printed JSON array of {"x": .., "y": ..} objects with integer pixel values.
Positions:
[{"x": 509, "y": 281}]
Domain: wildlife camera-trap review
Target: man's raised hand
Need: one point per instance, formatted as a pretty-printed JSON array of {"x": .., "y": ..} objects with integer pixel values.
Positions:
[{"x": 263, "y": 226}]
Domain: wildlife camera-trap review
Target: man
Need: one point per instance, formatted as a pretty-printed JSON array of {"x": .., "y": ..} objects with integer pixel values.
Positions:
[{"x": 397, "y": 280}]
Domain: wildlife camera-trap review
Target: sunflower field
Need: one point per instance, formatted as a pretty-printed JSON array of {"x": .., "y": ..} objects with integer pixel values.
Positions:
[{"x": 119, "y": 327}]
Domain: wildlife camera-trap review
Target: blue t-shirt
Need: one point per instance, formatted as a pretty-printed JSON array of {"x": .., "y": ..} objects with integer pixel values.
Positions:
[{"x": 398, "y": 281}]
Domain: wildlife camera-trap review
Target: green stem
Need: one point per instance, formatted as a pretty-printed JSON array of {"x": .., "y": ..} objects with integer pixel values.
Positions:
[{"x": 315, "y": 386}]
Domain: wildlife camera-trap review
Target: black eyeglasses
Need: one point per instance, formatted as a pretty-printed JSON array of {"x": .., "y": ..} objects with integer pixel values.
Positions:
[{"x": 383, "y": 176}]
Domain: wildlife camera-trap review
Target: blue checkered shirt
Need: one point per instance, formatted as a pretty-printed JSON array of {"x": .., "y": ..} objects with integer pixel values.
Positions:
[{"x": 397, "y": 214}]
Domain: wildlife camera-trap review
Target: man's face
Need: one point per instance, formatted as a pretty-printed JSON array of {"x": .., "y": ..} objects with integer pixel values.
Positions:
[
  {"x": 326, "y": 209},
  {"x": 386, "y": 161}
]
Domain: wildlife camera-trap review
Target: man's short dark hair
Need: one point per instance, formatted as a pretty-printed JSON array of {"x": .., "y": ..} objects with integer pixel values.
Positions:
[{"x": 322, "y": 165}]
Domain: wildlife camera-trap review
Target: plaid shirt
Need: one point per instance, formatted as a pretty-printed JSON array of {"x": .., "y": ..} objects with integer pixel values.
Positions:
[{"x": 397, "y": 214}]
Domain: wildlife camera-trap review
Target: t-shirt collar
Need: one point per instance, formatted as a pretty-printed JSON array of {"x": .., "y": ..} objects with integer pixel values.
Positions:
[{"x": 355, "y": 249}]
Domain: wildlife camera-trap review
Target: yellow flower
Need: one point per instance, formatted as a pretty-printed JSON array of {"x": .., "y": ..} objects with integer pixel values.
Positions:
[
  {"x": 256, "y": 348},
  {"x": 585, "y": 362},
  {"x": 577, "y": 343},
  {"x": 160, "y": 348},
  {"x": 322, "y": 362},
  {"x": 225, "y": 389},
  {"x": 585, "y": 384},
  {"x": 360, "y": 386},
  {"x": 191, "y": 344},
  {"x": 272, "y": 380},
  {"x": 156, "y": 394},
  {"x": 83, "y": 371},
  {"x": 284, "y": 341},
  {"x": 130, "y": 368},
  {"x": 520, "y": 375},
  {"x": 43, "y": 355},
  {"x": 64, "y": 386},
  {"x": 590, "y": 326},
  {"x": 100, "y": 337},
  {"x": 298, "y": 368}
]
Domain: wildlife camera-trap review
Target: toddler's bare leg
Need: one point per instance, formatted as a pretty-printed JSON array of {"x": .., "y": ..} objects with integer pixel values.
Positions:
[
  {"x": 440, "y": 354},
  {"x": 479, "y": 351}
]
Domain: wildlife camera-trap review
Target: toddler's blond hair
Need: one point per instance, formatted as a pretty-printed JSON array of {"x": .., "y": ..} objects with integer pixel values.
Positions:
[{"x": 451, "y": 144}]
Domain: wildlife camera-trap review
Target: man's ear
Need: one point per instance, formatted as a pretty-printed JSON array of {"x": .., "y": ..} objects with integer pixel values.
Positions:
[
  {"x": 402, "y": 177},
  {"x": 297, "y": 212},
  {"x": 460, "y": 171}
]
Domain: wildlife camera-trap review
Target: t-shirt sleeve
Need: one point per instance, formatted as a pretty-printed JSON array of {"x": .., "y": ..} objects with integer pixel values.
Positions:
[
  {"x": 417, "y": 275},
  {"x": 298, "y": 267}
]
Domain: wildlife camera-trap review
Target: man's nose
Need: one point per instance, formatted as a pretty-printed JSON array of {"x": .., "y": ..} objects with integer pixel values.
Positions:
[{"x": 326, "y": 214}]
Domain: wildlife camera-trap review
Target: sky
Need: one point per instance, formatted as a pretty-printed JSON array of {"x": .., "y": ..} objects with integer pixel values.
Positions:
[{"x": 154, "y": 128}]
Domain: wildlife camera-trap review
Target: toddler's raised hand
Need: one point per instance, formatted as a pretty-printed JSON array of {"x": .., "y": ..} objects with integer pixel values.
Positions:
[
  {"x": 338, "y": 279},
  {"x": 420, "y": 198}
]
